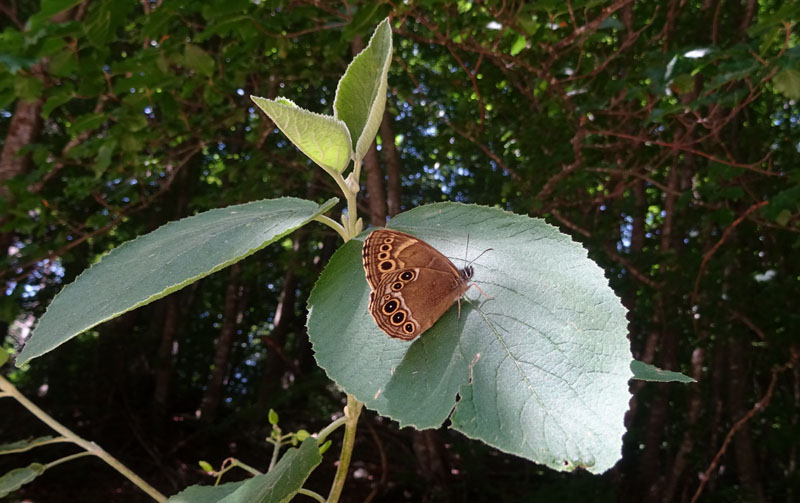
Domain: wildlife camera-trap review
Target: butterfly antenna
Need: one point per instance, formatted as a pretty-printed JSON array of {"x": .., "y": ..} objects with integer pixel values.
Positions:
[{"x": 479, "y": 256}]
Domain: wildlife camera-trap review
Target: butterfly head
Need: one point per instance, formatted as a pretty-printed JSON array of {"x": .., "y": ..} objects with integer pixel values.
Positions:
[{"x": 466, "y": 273}]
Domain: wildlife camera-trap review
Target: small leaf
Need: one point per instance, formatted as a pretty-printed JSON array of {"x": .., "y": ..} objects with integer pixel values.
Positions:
[
  {"x": 324, "y": 139},
  {"x": 787, "y": 82},
  {"x": 163, "y": 261},
  {"x": 519, "y": 44},
  {"x": 783, "y": 217},
  {"x": 541, "y": 368},
  {"x": 206, "y": 466},
  {"x": 361, "y": 92},
  {"x": 302, "y": 435},
  {"x": 198, "y": 60},
  {"x": 324, "y": 447},
  {"x": 645, "y": 372},
  {"x": 273, "y": 417},
  {"x": 18, "y": 477}
]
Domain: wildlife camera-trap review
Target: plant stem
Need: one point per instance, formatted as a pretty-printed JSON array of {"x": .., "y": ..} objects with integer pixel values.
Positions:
[
  {"x": 323, "y": 434},
  {"x": 352, "y": 412},
  {"x": 333, "y": 224},
  {"x": 276, "y": 448},
  {"x": 311, "y": 494},
  {"x": 90, "y": 447}
]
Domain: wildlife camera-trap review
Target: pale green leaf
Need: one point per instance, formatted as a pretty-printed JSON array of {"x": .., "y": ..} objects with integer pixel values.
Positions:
[
  {"x": 3, "y": 356},
  {"x": 361, "y": 93},
  {"x": 324, "y": 139},
  {"x": 18, "y": 477},
  {"x": 646, "y": 372},
  {"x": 541, "y": 369},
  {"x": 163, "y": 261}
]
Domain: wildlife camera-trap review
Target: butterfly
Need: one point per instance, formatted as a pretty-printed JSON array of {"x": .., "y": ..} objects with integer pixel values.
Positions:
[{"x": 412, "y": 283}]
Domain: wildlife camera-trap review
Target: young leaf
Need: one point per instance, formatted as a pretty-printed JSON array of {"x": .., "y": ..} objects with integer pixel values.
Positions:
[
  {"x": 163, "y": 261},
  {"x": 279, "y": 485},
  {"x": 647, "y": 372},
  {"x": 324, "y": 139},
  {"x": 18, "y": 477},
  {"x": 273, "y": 417},
  {"x": 205, "y": 466},
  {"x": 541, "y": 368},
  {"x": 361, "y": 93}
]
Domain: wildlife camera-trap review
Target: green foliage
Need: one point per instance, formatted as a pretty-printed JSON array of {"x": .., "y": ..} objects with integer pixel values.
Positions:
[{"x": 280, "y": 485}]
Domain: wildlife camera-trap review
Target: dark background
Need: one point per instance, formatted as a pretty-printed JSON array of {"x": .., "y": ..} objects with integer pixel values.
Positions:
[{"x": 661, "y": 135}]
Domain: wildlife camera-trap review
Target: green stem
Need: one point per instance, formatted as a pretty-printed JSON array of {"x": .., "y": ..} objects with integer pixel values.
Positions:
[
  {"x": 90, "y": 447},
  {"x": 247, "y": 467},
  {"x": 333, "y": 224},
  {"x": 352, "y": 412},
  {"x": 323, "y": 434},
  {"x": 311, "y": 494},
  {"x": 67, "y": 458},
  {"x": 276, "y": 448}
]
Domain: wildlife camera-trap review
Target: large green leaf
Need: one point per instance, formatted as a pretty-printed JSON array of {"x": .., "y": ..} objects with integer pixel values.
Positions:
[
  {"x": 163, "y": 261},
  {"x": 361, "y": 93},
  {"x": 277, "y": 486},
  {"x": 324, "y": 139},
  {"x": 540, "y": 370}
]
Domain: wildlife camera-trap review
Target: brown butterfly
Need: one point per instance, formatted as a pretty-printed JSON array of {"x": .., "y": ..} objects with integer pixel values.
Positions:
[{"x": 412, "y": 283}]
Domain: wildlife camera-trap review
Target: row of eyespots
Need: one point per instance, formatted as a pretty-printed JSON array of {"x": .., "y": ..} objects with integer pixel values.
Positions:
[
  {"x": 399, "y": 316},
  {"x": 385, "y": 263}
]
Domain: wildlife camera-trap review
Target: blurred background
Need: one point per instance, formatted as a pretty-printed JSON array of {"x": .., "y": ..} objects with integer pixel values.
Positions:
[{"x": 663, "y": 136}]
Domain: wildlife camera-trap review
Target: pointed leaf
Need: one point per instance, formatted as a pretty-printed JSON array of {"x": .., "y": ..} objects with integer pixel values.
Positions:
[
  {"x": 324, "y": 139},
  {"x": 361, "y": 93},
  {"x": 163, "y": 261},
  {"x": 541, "y": 368},
  {"x": 277, "y": 486},
  {"x": 647, "y": 372},
  {"x": 18, "y": 477}
]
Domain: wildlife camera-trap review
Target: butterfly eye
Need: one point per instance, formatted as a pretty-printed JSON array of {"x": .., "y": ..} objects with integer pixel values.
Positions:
[
  {"x": 409, "y": 328},
  {"x": 398, "y": 317},
  {"x": 390, "y": 307},
  {"x": 397, "y": 286},
  {"x": 407, "y": 276}
]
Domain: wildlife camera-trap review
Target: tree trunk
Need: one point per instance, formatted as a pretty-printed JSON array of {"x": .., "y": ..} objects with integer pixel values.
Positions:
[
  {"x": 285, "y": 319},
  {"x": 172, "y": 314},
  {"x": 744, "y": 448},
  {"x": 213, "y": 396},
  {"x": 393, "y": 165}
]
